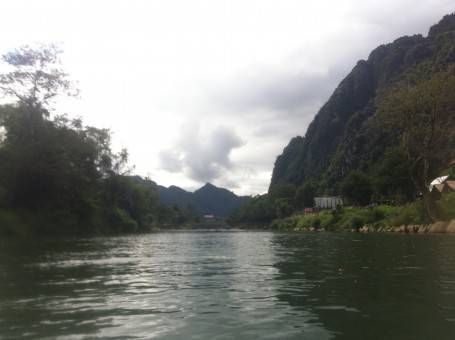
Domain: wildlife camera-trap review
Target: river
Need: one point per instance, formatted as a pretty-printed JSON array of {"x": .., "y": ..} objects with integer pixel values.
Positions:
[{"x": 229, "y": 285}]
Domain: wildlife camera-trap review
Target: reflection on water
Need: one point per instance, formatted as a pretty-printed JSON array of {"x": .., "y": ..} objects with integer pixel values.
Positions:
[
  {"x": 207, "y": 285},
  {"x": 372, "y": 286}
]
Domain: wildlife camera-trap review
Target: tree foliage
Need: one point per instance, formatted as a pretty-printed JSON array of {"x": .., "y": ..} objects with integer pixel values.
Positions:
[
  {"x": 35, "y": 77},
  {"x": 259, "y": 209},
  {"x": 58, "y": 175},
  {"x": 357, "y": 188},
  {"x": 424, "y": 115},
  {"x": 305, "y": 194},
  {"x": 392, "y": 179}
]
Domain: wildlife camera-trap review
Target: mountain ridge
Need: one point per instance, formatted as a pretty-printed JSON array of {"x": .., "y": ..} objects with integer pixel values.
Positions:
[
  {"x": 208, "y": 199},
  {"x": 340, "y": 138}
]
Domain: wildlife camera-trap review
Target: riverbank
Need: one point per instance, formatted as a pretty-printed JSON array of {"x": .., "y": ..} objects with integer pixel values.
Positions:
[
  {"x": 30, "y": 225},
  {"x": 440, "y": 227},
  {"x": 377, "y": 218}
]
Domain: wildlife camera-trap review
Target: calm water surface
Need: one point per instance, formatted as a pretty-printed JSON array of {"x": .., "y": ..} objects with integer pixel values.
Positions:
[{"x": 225, "y": 285}]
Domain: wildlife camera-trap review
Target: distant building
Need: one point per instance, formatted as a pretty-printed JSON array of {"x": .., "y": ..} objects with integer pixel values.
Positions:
[
  {"x": 328, "y": 202},
  {"x": 309, "y": 210}
]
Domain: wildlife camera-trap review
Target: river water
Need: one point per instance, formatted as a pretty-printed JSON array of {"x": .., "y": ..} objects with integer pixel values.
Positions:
[{"x": 229, "y": 285}]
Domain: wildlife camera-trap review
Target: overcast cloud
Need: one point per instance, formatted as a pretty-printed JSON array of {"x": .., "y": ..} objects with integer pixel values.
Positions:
[
  {"x": 209, "y": 90},
  {"x": 203, "y": 158}
]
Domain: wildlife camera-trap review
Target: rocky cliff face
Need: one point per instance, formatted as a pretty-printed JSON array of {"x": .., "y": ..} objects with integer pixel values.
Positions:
[
  {"x": 287, "y": 164},
  {"x": 339, "y": 138}
]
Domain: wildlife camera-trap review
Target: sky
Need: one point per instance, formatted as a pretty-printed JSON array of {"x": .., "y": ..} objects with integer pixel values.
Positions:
[{"x": 209, "y": 90}]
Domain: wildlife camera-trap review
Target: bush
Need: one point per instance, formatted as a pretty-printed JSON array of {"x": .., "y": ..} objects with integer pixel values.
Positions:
[
  {"x": 357, "y": 222},
  {"x": 446, "y": 206},
  {"x": 412, "y": 213},
  {"x": 316, "y": 223},
  {"x": 304, "y": 221},
  {"x": 355, "y": 217},
  {"x": 283, "y": 224},
  {"x": 122, "y": 221},
  {"x": 375, "y": 215}
]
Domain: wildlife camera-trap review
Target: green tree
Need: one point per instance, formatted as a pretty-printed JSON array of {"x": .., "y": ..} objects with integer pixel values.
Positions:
[
  {"x": 135, "y": 200},
  {"x": 282, "y": 191},
  {"x": 259, "y": 209},
  {"x": 357, "y": 188},
  {"x": 283, "y": 197},
  {"x": 60, "y": 173},
  {"x": 392, "y": 178},
  {"x": 283, "y": 207},
  {"x": 423, "y": 113},
  {"x": 35, "y": 77},
  {"x": 305, "y": 194}
]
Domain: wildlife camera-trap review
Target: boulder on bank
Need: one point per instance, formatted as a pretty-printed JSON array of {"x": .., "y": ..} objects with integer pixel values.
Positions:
[
  {"x": 401, "y": 228},
  {"x": 414, "y": 228},
  {"x": 451, "y": 227},
  {"x": 422, "y": 229},
  {"x": 439, "y": 227}
]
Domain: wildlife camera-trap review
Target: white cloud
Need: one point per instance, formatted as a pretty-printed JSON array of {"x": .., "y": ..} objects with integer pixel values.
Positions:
[
  {"x": 262, "y": 67},
  {"x": 203, "y": 156}
]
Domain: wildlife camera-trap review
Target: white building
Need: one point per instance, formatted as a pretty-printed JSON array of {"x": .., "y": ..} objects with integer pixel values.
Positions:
[{"x": 328, "y": 202}]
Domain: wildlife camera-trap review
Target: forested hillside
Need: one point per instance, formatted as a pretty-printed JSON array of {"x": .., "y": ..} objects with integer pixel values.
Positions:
[
  {"x": 385, "y": 133},
  {"x": 344, "y": 136},
  {"x": 208, "y": 199}
]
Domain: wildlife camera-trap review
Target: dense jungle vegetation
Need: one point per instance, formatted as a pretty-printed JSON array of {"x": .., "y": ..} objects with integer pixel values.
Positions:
[{"x": 58, "y": 175}]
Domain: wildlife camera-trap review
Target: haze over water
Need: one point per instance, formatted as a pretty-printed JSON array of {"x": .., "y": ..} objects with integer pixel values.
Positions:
[{"x": 224, "y": 285}]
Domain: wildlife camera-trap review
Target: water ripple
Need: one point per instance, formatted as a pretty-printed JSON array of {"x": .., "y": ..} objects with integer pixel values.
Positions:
[{"x": 230, "y": 285}]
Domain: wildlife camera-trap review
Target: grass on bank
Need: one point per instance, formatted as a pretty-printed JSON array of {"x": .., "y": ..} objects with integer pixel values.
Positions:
[{"x": 379, "y": 216}]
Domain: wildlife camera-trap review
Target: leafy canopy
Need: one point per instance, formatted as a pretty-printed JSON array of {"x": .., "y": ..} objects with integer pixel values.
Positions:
[{"x": 35, "y": 76}]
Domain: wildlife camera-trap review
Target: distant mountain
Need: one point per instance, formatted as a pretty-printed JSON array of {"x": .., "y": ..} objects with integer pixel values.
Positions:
[
  {"x": 176, "y": 195},
  {"x": 207, "y": 200},
  {"x": 340, "y": 138}
]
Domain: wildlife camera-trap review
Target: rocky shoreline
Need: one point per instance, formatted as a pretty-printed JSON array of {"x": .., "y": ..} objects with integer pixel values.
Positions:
[{"x": 440, "y": 227}]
